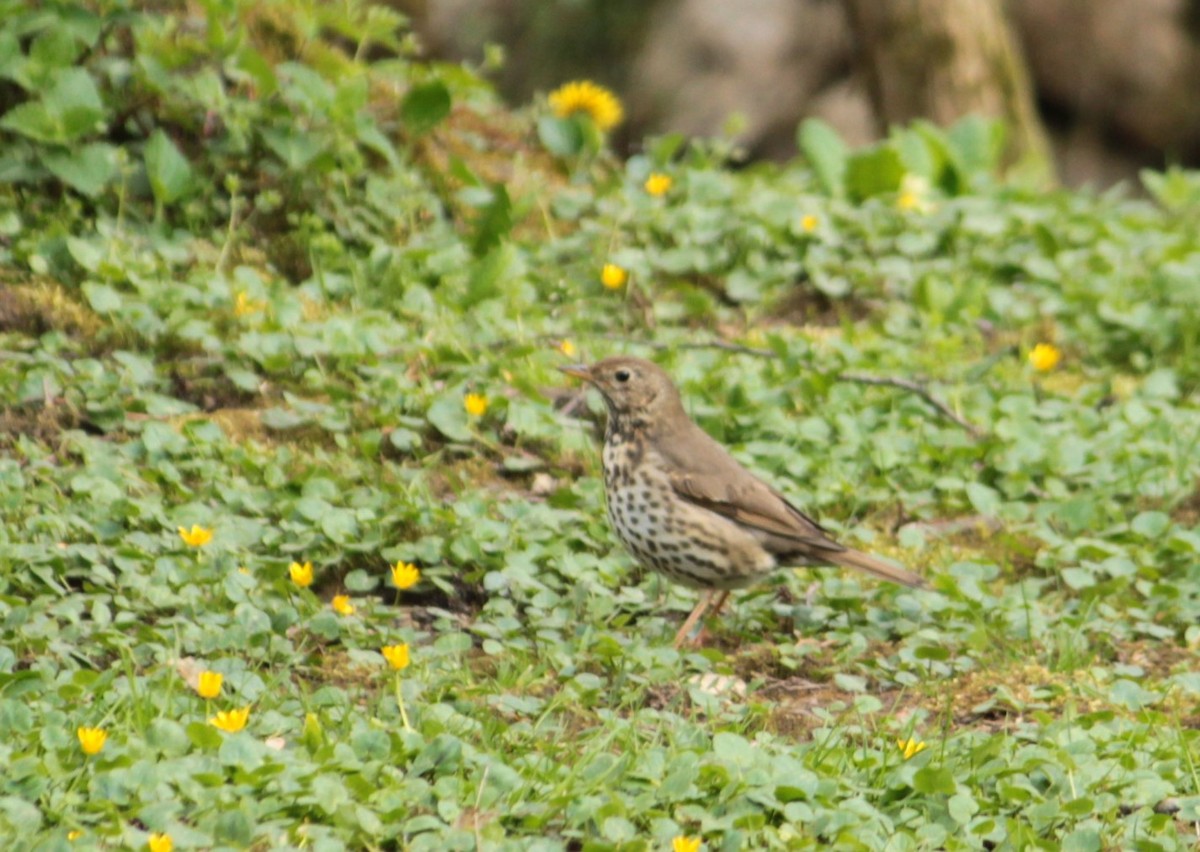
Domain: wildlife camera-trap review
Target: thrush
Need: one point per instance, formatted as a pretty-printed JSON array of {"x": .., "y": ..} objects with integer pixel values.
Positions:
[{"x": 684, "y": 507}]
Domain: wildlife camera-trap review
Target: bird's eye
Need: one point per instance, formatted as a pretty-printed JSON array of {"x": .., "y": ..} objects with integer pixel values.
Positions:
[{"x": 622, "y": 375}]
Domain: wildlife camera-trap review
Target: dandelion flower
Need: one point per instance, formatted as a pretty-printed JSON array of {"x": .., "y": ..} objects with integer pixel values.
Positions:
[
  {"x": 91, "y": 740},
  {"x": 910, "y": 747},
  {"x": 302, "y": 575},
  {"x": 613, "y": 277},
  {"x": 208, "y": 684},
  {"x": 231, "y": 721},
  {"x": 567, "y": 348},
  {"x": 197, "y": 536},
  {"x": 476, "y": 404},
  {"x": 1045, "y": 357},
  {"x": 405, "y": 575},
  {"x": 74, "y": 834},
  {"x": 396, "y": 655},
  {"x": 658, "y": 184},
  {"x": 809, "y": 223},
  {"x": 159, "y": 842},
  {"x": 584, "y": 96},
  {"x": 685, "y": 844},
  {"x": 341, "y": 605}
]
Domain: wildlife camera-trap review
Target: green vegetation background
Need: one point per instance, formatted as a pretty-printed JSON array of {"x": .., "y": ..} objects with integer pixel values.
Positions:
[{"x": 253, "y": 257}]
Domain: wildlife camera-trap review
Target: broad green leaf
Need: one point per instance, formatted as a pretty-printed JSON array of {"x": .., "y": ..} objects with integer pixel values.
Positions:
[
  {"x": 825, "y": 152},
  {"x": 169, "y": 172},
  {"x": 425, "y": 106},
  {"x": 874, "y": 171},
  {"x": 87, "y": 169},
  {"x": 561, "y": 136}
]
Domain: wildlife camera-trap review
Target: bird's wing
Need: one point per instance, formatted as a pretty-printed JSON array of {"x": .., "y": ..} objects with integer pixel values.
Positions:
[{"x": 752, "y": 502}]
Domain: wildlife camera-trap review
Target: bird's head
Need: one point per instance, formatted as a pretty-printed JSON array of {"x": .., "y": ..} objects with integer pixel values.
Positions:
[{"x": 631, "y": 387}]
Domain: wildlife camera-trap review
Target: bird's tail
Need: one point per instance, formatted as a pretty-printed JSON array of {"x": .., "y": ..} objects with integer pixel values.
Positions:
[{"x": 875, "y": 566}]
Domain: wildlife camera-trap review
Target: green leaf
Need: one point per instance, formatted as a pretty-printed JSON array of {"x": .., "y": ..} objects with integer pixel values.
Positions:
[
  {"x": 560, "y": 136},
  {"x": 493, "y": 222},
  {"x": 87, "y": 169},
  {"x": 71, "y": 108},
  {"x": 985, "y": 500},
  {"x": 1151, "y": 525},
  {"x": 169, "y": 172},
  {"x": 234, "y": 826},
  {"x": 294, "y": 148},
  {"x": 874, "y": 171},
  {"x": 425, "y": 106},
  {"x": 934, "y": 779},
  {"x": 448, "y": 416},
  {"x": 103, "y": 298},
  {"x": 825, "y": 152}
]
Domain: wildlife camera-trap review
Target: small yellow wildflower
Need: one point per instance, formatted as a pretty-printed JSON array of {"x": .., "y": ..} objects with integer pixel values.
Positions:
[
  {"x": 567, "y": 348},
  {"x": 613, "y": 277},
  {"x": 243, "y": 305},
  {"x": 341, "y": 605},
  {"x": 74, "y": 834},
  {"x": 302, "y": 575},
  {"x": 809, "y": 223},
  {"x": 597, "y": 102},
  {"x": 476, "y": 404},
  {"x": 231, "y": 721},
  {"x": 197, "y": 536},
  {"x": 208, "y": 684},
  {"x": 914, "y": 192},
  {"x": 159, "y": 842},
  {"x": 685, "y": 844},
  {"x": 91, "y": 740},
  {"x": 244, "y": 570},
  {"x": 910, "y": 747},
  {"x": 396, "y": 655},
  {"x": 1045, "y": 357},
  {"x": 658, "y": 184},
  {"x": 405, "y": 575}
]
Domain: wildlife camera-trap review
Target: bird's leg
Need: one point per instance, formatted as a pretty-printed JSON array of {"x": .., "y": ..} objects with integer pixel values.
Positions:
[
  {"x": 712, "y": 613},
  {"x": 696, "y": 615}
]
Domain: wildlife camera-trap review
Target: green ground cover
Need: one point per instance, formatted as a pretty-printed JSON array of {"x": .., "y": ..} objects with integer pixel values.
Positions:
[{"x": 263, "y": 272}]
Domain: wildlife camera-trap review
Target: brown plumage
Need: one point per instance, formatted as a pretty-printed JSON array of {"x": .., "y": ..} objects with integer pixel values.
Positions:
[{"x": 686, "y": 508}]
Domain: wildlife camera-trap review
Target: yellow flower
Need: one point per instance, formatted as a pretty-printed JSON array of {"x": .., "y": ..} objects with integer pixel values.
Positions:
[
  {"x": 910, "y": 747},
  {"x": 613, "y": 277},
  {"x": 92, "y": 740},
  {"x": 208, "y": 684},
  {"x": 567, "y": 348},
  {"x": 197, "y": 536},
  {"x": 685, "y": 844},
  {"x": 74, "y": 835},
  {"x": 597, "y": 102},
  {"x": 809, "y": 223},
  {"x": 405, "y": 575},
  {"x": 243, "y": 305},
  {"x": 396, "y": 655},
  {"x": 476, "y": 404},
  {"x": 341, "y": 605},
  {"x": 302, "y": 575},
  {"x": 914, "y": 190},
  {"x": 158, "y": 842},
  {"x": 231, "y": 721},
  {"x": 1045, "y": 357},
  {"x": 658, "y": 184}
]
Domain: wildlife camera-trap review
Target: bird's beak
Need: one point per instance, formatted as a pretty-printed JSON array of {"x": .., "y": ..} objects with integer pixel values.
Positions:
[{"x": 579, "y": 371}]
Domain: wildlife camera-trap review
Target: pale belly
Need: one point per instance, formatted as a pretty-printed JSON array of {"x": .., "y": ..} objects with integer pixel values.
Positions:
[{"x": 686, "y": 543}]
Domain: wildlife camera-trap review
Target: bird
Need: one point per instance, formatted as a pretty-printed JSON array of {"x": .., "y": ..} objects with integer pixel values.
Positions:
[{"x": 687, "y": 509}]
